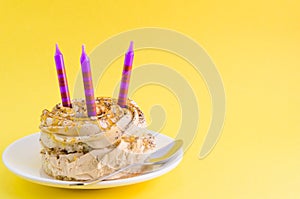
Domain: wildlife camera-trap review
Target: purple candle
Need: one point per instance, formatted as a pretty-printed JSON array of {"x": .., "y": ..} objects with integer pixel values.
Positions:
[
  {"x": 88, "y": 84},
  {"x": 122, "y": 100},
  {"x": 62, "y": 78}
]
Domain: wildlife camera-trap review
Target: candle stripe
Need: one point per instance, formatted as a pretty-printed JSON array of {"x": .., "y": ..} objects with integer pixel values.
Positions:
[
  {"x": 62, "y": 82},
  {"x": 64, "y": 96},
  {"x": 127, "y": 68},
  {"x": 89, "y": 87},
  {"x": 60, "y": 70},
  {"x": 87, "y": 79},
  {"x": 122, "y": 101},
  {"x": 122, "y": 97},
  {"x": 123, "y": 91},
  {"x": 125, "y": 82},
  {"x": 86, "y": 73},
  {"x": 90, "y": 98}
]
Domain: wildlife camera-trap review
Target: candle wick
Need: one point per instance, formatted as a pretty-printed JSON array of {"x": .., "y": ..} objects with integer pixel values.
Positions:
[
  {"x": 83, "y": 49},
  {"x": 130, "y": 49},
  {"x": 83, "y": 54},
  {"x": 57, "y": 51}
]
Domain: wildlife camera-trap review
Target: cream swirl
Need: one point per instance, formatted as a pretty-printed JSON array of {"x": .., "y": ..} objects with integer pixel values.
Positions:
[{"x": 63, "y": 127}]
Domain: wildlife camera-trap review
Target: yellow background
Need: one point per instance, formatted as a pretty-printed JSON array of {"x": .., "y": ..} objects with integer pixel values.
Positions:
[{"x": 254, "y": 45}]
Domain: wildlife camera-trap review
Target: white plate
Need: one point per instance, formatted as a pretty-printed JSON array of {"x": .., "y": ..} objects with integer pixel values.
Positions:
[{"x": 23, "y": 158}]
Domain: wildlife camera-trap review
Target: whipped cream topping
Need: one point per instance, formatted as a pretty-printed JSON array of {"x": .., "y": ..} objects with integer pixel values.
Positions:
[
  {"x": 74, "y": 121},
  {"x": 79, "y": 148}
]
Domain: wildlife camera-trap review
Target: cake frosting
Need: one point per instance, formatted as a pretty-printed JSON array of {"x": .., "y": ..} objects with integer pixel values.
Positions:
[{"x": 75, "y": 147}]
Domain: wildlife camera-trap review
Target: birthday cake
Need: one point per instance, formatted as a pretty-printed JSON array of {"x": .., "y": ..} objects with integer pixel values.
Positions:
[
  {"x": 74, "y": 148},
  {"x": 84, "y": 139}
]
